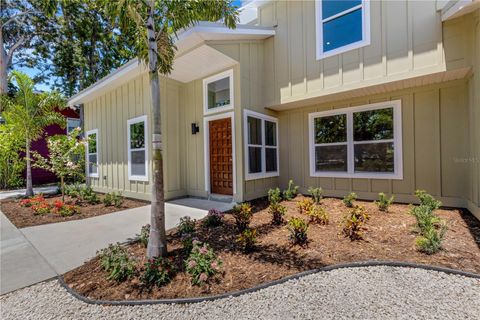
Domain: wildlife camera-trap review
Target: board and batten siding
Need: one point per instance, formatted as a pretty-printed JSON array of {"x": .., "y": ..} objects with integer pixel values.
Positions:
[{"x": 109, "y": 114}]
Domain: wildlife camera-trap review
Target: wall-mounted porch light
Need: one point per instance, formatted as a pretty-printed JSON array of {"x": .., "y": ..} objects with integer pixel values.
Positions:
[{"x": 195, "y": 128}]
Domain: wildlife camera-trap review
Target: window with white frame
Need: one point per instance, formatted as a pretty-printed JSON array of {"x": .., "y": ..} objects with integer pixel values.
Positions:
[
  {"x": 137, "y": 149},
  {"x": 358, "y": 142},
  {"x": 261, "y": 145},
  {"x": 218, "y": 92},
  {"x": 341, "y": 26},
  {"x": 72, "y": 124},
  {"x": 92, "y": 153}
]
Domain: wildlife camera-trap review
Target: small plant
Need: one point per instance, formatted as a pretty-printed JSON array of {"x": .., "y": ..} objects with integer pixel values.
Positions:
[
  {"x": 428, "y": 200},
  {"x": 113, "y": 199},
  {"x": 158, "y": 272},
  {"x": 353, "y": 223},
  {"x": 298, "y": 231},
  {"x": 247, "y": 239},
  {"x": 278, "y": 212},
  {"x": 88, "y": 195},
  {"x": 202, "y": 263},
  {"x": 383, "y": 202},
  {"x": 186, "y": 226},
  {"x": 73, "y": 190},
  {"x": 35, "y": 200},
  {"x": 291, "y": 191},
  {"x": 318, "y": 215},
  {"x": 41, "y": 208},
  {"x": 316, "y": 193},
  {"x": 242, "y": 214},
  {"x": 348, "y": 200},
  {"x": 115, "y": 261},
  {"x": 143, "y": 236},
  {"x": 305, "y": 205},
  {"x": 274, "y": 196},
  {"x": 426, "y": 219},
  {"x": 431, "y": 240},
  {"x": 65, "y": 210},
  {"x": 214, "y": 218}
]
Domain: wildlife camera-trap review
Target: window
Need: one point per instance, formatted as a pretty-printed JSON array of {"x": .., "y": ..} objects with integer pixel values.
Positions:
[
  {"x": 137, "y": 149},
  {"x": 341, "y": 26},
  {"x": 72, "y": 124},
  {"x": 261, "y": 145},
  {"x": 358, "y": 142},
  {"x": 218, "y": 92},
  {"x": 92, "y": 153}
]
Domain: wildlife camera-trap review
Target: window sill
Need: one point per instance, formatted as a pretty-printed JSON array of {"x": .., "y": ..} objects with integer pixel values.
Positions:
[
  {"x": 261, "y": 175},
  {"x": 344, "y": 49},
  {"x": 138, "y": 178},
  {"x": 93, "y": 175},
  {"x": 367, "y": 175}
]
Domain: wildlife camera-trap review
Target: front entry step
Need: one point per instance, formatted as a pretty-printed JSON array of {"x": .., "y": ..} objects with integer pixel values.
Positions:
[{"x": 221, "y": 198}]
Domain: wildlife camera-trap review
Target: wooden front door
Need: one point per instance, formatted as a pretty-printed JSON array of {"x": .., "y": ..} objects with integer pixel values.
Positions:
[{"x": 221, "y": 161}]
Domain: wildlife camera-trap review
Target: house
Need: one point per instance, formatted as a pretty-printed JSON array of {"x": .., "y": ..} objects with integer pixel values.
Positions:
[{"x": 363, "y": 96}]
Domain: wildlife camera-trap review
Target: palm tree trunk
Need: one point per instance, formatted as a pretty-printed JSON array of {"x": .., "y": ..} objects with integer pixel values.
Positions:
[
  {"x": 157, "y": 242},
  {"x": 29, "y": 192}
]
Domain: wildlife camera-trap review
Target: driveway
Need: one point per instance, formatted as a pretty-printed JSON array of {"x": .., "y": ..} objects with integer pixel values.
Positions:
[{"x": 56, "y": 248}]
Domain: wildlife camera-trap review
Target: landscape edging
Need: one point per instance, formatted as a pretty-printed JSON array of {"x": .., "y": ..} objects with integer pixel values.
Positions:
[{"x": 371, "y": 263}]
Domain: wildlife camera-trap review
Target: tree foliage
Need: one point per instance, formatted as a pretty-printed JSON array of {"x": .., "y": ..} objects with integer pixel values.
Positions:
[{"x": 11, "y": 164}]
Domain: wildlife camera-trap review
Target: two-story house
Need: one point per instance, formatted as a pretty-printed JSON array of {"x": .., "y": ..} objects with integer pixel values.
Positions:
[{"x": 363, "y": 96}]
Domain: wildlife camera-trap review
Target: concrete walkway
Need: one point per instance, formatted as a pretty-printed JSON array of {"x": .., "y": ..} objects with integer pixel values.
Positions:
[
  {"x": 67, "y": 245},
  {"x": 21, "y": 192}
]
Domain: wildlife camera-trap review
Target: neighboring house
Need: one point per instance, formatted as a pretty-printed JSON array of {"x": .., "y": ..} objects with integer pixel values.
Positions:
[
  {"x": 41, "y": 176},
  {"x": 364, "y": 96}
]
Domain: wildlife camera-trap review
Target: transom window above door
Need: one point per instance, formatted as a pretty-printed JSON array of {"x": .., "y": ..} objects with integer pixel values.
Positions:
[
  {"x": 137, "y": 149},
  {"x": 218, "y": 92},
  {"x": 341, "y": 25},
  {"x": 358, "y": 142}
]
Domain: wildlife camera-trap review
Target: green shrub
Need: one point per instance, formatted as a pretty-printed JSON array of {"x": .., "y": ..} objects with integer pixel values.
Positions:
[
  {"x": 187, "y": 242},
  {"x": 383, "y": 202},
  {"x": 428, "y": 200},
  {"x": 116, "y": 262},
  {"x": 158, "y": 272},
  {"x": 298, "y": 231},
  {"x": 348, "y": 200},
  {"x": 144, "y": 235},
  {"x": 73, "y": 190},
  {"x": 202, "y": 264},
  {"x": 247, "y": 239},
  {"x": 12, "y": 164},
  {"x": 113, "y": 199},
  {"x": 278, "y": 212},
  {"x": 186, "y": 226},
  {"x": 89, "y": 196},
  {"x": 305, "y": 205},
  {"x": 316, "y": 193},
  {"x": 353, "y": 223},
  {"x": 318, "y": 215},
  {"x": 431, "y": 240},
  {"x": 425, "y": 218},
  {"x": 291, "y": 191},
  {"x": 274, "y": 196},
  {"x": 214, "y": 218},
  {"x": 243, "y": 215}
]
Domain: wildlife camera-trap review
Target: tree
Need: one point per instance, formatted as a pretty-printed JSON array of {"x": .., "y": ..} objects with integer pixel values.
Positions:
[
  {"x": 28, "y": 113},
  {"x": 156, "y": 23}
]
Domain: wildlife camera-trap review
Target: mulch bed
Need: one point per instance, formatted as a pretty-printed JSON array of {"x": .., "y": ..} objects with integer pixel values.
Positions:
[
  {"x": 23, "y": 217},
  {"x": 389, "y": 236}
]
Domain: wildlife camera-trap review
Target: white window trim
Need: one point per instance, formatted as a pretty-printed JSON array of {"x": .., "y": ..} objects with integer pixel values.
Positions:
[
  {"x": 397, "y": 141},
  {"x": 130, "y": 175},
  {"x": 263, "y": 173},
  {"x": 319, "y": 29},
  {"x": 206, "y": 81},
  {"x": 75, "y": 119},
  {"x": 87, "y": 154}
]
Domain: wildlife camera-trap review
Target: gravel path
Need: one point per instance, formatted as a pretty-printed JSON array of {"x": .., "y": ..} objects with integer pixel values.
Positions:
[{"x": 361, "y": 293}]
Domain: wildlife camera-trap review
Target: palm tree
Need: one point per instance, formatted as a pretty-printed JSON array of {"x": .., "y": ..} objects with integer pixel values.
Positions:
[
  {"x": 156, "y": 23},
  {"x": 29, "y": 113}
]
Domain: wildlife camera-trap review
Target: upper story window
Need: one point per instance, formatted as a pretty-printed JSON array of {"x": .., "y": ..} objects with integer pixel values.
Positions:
[
  {"x": 137, "y": 149},
  {"x": 261, "y": 145},
  {"x": 358, "y": 142},
  {"x": 92, "y": 153},
  {"x": 72, "y": 124},
  {"x": 218, "y": 92},
  {"x": 342, "y": 25}
]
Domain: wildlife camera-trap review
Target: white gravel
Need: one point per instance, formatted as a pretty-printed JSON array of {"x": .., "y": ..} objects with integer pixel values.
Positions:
[{"x": 360, "y": 293}]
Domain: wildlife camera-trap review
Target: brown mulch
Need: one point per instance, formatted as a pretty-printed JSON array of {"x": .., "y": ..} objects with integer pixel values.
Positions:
[
  {"x": 23, "y": 217},
  {"x": 389, "y": 236}
]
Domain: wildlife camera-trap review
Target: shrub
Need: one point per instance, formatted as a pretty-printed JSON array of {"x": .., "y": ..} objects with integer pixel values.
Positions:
[
  {"x": 431, "y": 240},
  {"x": 247, "y": 239},
  {"x": 214, "y": 218},
  {"x": 202, "y": 263},
  {"x": 89, "y": 196},
  {"x": 65, "y": 210},
  {"x": 158, "y": 271},
  {"x": 298, "y": 231},
  {"x": 316, "y": 193},
  {"x": 291, "y": 191},
  {"x": 73, "y": 190},
  {"x": 427, "y": 200},
  {"x": 113, "y": 199},
  {"x": 41, "y": 208},
  {"x": 383, "y": 202},
  {"x": 348, "y": 200},
  {"x": 353, "y": 223},
  {"x": 242, "y": 214},
  {"x": 115, "y": 261},
  {"x": 143, "y": 236},
  {"x": 305, "y": 205},
  {"x": 318, "y": 215},
  {"x": 186, "y": 226},
  {"x": 425, "y": 218},
  {"x": 277, "y": 211},
  {"x": 274, "y": 196},
  {"x": 35, "y": 200}
]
